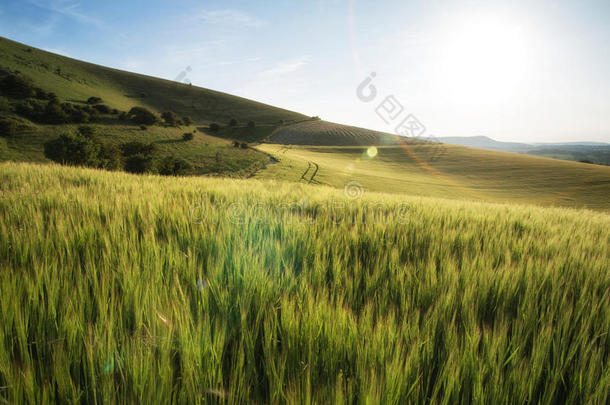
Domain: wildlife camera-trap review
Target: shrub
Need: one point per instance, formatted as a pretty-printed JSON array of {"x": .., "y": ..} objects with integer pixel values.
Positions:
[
  {"x": 30, "y": 109},
  {"x": 78, "y": 150},
  {"x": 4, "y": 104},
  {"x": 123, "y": 117},
  {"x": 187, "y": 120},
  {"x": 109, "y": 157},
  {"x": 79, "y": 116},
  {"x": 188, "y": 136},
  {"x": 143, "y": 127},
  {"x": 8, "y": 127},
  {"x": 141, "y": 115},
  {"x": 19, "y": 86},
  {"x": 170, "y": 118},
  {"x": 214, "y": 127},
  {"x": 103, "y": 108},
  {"x": 244, "y": 145},
  {"x": 54, "y": 113},
  {"x": 87, "y": 131},
  {"x": 138, "y": 148},
  {"x": 94, "y": 100},
  {"x": 114, "y": 111},
  {"x": 172, "y": 166},
  {"x": 139, "y": 164},
  {"x": 251, "y": 124},
  {"x": 233, "y": 122},
  {"x": 236, "y": 144},
  {"x": 41, "y": 94}
]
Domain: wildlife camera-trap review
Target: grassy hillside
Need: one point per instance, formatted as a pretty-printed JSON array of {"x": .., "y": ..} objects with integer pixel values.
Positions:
[
  {"x": 447, "y": 171},
  {"x": 76, "y": 81},
  {"x": 135, "y": 289},
  {"x": 322, "y": 133}
]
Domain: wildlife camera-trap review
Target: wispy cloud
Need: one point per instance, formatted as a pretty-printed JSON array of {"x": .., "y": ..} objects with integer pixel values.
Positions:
[
  {"x": 70, "y": 9},
  {"x": 285, "y": 67},
  {"x": 229, "y": 17}
]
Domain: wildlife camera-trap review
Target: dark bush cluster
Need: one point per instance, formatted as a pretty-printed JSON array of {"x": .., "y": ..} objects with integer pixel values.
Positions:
[
  {"x": 251, "y": 124},
  {"x": 18, "y": 86},
  {"x": 139, "y": 157},
  {"x": 140, "y": 164},
  {"x": 233, "y": 122},
  {"x": 142, "y": 116},
  {"x": 187, "y": 120},
  {"x": 8, "y": 127},
  {"x": 102, "y": 109},
  {"x": 83, "y": 149},
  {"x": 187, "y": 136},
  {"x": 243, "y": 145},
  {"x": 172, "y": 166},
  {"x": 94, "y": 100},
  {"x": 170, "y": 118},
  {"x": 54, "y": 112}
]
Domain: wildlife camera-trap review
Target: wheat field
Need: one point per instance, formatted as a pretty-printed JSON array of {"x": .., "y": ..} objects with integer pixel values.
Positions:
[{"x": 133, "y": 289}]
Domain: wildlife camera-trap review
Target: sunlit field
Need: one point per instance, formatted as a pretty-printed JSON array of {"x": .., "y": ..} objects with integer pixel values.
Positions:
[
  {"x": 446, "y": 171},
  {"x": 147, "y": 289}
]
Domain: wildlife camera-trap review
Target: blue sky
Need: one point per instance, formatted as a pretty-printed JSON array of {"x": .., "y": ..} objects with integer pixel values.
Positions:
[{"x": 532, "y": 71}]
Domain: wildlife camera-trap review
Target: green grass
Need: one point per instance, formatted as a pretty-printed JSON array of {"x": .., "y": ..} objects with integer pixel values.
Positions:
[
  {"x": 201, "y": 152},
  {"x": 76, "y": 81},
  {"x": 449, "y": 171},
  {"x": 134, "y": 289}
]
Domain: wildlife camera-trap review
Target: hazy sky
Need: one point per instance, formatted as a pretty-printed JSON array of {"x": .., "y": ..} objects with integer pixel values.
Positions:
[{"x": 531, "y": 70}]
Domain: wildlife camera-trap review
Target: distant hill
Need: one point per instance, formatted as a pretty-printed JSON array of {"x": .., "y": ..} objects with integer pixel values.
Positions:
[
  {"x": 485, "y": 142},
  {"x": 587, "y": 152},
  {"x": 323, "y": 133}
]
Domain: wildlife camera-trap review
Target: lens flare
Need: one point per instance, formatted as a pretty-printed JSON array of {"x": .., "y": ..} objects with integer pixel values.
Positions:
[{"x": 371, "y": 152}]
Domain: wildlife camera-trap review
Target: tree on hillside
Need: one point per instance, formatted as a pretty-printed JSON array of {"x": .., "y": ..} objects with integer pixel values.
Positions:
[
  {"x": 140, "y": 164},
  {"x": 187, "y": 120},
  {"x": 18, "y": 85},
  {"x": 170, "y": 118},
  {"x": 94, "y": 100},
  {"x": 233, "y": 122},
  {"x": 77, "y": 150},
  {"x": 141, "y": 115},
  {"x": 8, "y": 127},
  {"x": 251, "y": 124},
  {"x": 135, "y": 148},
  {"x": 173, "y": 166}
]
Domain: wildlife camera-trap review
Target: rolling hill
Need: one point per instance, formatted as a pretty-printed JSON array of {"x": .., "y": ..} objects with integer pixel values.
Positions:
[
  {"x": 446, "y": 171},
  {"x": 75, "y": 81},
  {"x": 322, "y": 133},
  {"x": 334, "y": 152}
]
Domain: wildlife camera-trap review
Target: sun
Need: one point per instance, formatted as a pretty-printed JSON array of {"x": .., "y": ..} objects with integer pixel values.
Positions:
[{"x": 483, "y": 59}]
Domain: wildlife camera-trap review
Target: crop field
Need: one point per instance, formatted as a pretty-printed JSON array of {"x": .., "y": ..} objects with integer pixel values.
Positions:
[
  {"x": 447, "y": 171},
  {"x": 135, "y": 289}
]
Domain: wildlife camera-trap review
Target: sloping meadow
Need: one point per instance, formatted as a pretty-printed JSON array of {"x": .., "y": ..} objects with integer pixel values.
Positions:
[{"x": 122, "y": 288}]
